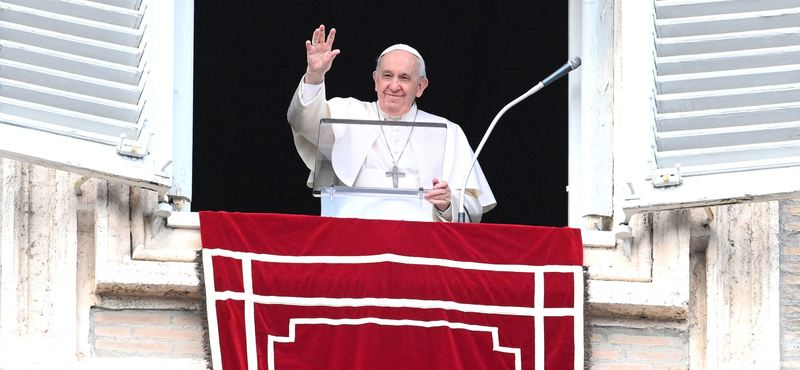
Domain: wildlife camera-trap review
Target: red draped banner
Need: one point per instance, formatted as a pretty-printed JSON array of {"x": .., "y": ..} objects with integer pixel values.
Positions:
[{"x": 304, "y": 292}]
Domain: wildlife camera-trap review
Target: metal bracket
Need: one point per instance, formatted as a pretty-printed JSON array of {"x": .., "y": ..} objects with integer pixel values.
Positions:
[
  {"x": 164, "y": 207},
  {"x": 134, "y": 148},
  {"x": 667, "y": 176},
  {"x": 330, "y": 196},
  {"x": 79, "y": 183}
]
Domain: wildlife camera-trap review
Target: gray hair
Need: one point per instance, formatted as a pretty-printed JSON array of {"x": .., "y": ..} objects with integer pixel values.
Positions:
[{"x": 404, "y": 47}]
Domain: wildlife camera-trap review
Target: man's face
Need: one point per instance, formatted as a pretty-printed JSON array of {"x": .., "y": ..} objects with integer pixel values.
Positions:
[{"x": 397, "y": 82}]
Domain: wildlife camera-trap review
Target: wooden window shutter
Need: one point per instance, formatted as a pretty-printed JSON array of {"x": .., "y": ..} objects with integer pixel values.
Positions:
[
  {"x": 726, "y": 125},
  {"x": 87, "y": 87}
]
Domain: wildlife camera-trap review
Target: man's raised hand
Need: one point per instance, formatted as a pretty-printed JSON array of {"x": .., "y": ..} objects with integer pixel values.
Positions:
[{"x": 320, "y": 55}]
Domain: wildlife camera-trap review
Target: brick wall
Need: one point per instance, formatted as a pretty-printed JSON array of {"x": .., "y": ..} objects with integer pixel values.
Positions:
[
  {"x": 625, "y": 348},
  {"x": 790, "y": 283},
  {"x": 147, "y": 333}
]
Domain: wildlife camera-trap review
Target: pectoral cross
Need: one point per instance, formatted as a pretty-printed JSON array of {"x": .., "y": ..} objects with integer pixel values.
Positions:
[{"x": 395, "y": 174}]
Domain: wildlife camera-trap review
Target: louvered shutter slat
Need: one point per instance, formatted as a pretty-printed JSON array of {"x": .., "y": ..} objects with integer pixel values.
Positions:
[
  {"x": 732, "y": 98},
  {"x": 727, "y": 23},
  {"x": 759, "y": 58},
  {"x": 683, "y": 9},
  {"x": 97, "y": 12},
  {"x": 66, "y": 25},
  {"x": 732, "y": 154},
  {"x": 70, "y": 44},
  {"x": 729, "y": 136},
  {"x": 127, "y": 4},
  {"x": 70, "y": 101},
  {"x": 725, "y": 80},
  {"x": 70, "y": 63},
  {"x": 66, "y": 118},
  {"x": 729, "y": 117},
  {"x": 733, "y": 41},
  {"x": 70, "y": 83}
]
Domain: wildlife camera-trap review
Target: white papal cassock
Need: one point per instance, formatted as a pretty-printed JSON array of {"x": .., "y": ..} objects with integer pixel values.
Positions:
[{"x": 361, "y": 157}]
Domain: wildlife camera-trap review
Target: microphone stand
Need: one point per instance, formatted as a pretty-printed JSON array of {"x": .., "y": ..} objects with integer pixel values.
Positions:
[{"x": 566, "y": 68}]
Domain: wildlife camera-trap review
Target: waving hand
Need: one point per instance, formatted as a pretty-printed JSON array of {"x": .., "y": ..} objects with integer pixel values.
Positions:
[{"x": 320, "y": 55}]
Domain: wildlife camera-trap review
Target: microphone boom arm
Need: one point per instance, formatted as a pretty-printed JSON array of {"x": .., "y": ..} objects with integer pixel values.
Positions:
[
  {"x": 568, "y": 67},
  {"x": 533, "y": 90}
]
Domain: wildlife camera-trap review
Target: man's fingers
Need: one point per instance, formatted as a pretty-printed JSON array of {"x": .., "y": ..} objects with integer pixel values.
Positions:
[
  {"x": 319, "y": 35},
  {"x": 332, "y": 55},
  {"x": 315, "y": 36},
  {"x": 331, "y": 36},
  {"x": 318, "y": 43},
  {"x": 438, "y": 194}
]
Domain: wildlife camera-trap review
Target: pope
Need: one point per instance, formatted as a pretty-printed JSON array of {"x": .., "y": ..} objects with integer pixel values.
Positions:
[{"x": 400, "y": 79}]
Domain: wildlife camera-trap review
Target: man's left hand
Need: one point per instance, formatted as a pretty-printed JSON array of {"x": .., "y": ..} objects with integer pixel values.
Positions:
[{"x": 440, "y": 195}]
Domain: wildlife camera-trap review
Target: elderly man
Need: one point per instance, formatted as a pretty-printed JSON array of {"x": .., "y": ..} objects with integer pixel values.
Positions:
[{"x": 399, "y": 79}]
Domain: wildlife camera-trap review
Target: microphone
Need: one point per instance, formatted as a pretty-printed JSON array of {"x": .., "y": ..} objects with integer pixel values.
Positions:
[{"x": 572, "y": 63}]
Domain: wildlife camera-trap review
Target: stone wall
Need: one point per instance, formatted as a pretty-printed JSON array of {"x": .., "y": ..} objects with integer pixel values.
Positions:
[
  {"x": 148, "y": 333},
  {"x": 638, "y": 344},
  {"x": 734, "y": 319},
  {"x": 57, "y": 244},
  {"x": 790, "y": 284}
]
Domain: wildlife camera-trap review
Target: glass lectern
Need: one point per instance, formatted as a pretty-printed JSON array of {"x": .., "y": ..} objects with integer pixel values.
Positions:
[{"x": 349, "y": 185}]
